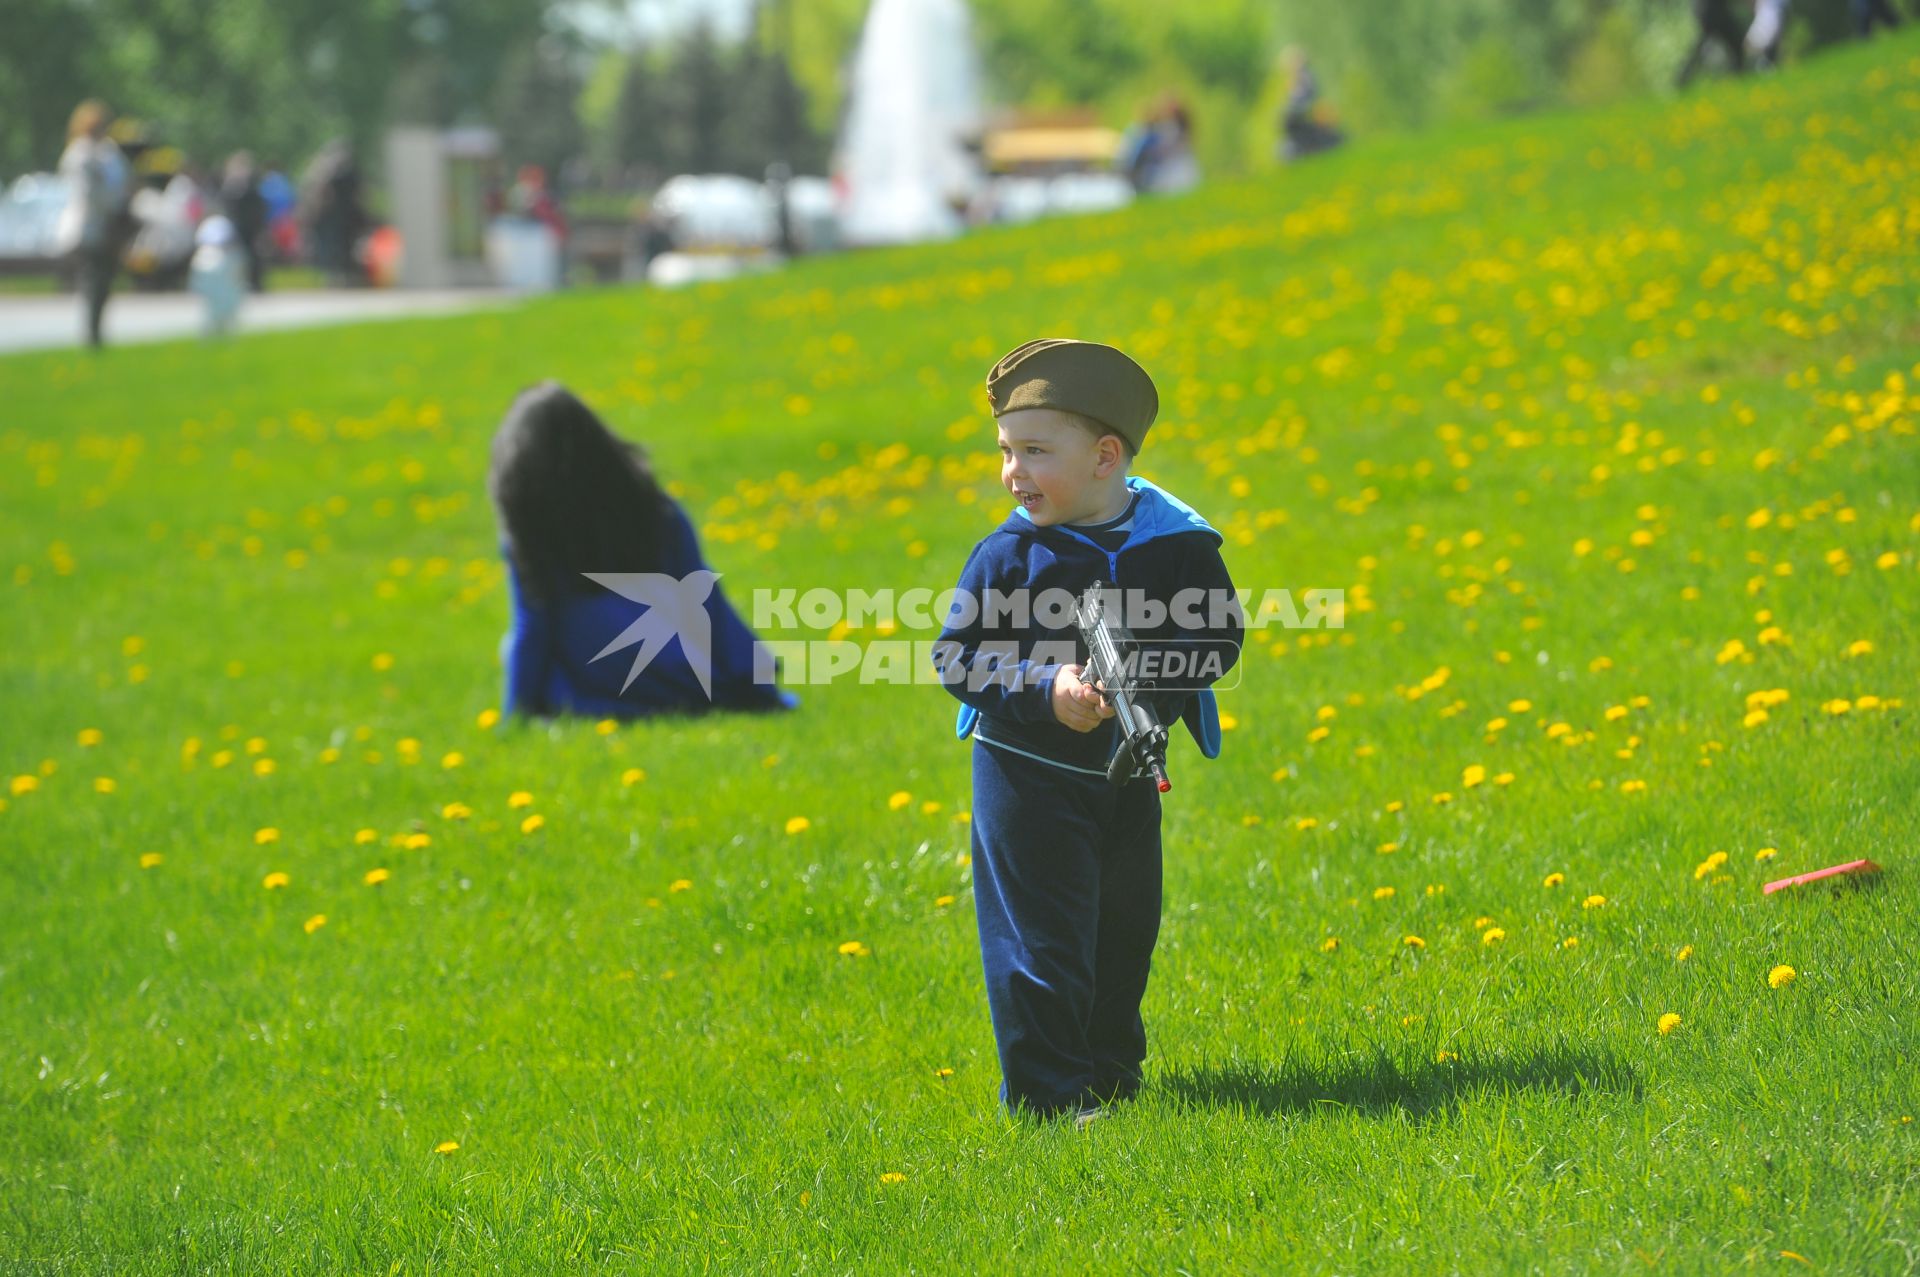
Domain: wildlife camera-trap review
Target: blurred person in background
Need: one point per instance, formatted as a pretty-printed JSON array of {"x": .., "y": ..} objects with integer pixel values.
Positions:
[
  {"x": 331, "y": 213},
  {"x": 1717, "y": 26},
  {"x": 93, "y": 225},
  {"x": 1764, "y": 36},
  {"x": 218, "y": 273},
  {"x": 246, "y": 207},
  {"x": 1869, "y": 13},
  {"x": 1302, "y": 130}
]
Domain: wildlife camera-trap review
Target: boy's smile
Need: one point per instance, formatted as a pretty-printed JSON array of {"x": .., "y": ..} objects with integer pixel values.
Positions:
[{"x": 1058, "y": 470}]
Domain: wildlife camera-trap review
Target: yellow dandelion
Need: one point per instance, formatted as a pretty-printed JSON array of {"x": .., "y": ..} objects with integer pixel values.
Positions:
[
  {"x": 1593, "y": 902},
  {"x": 364, "y": 836},
  {"x": 104, "y": 785},
  {"x": 275, "y": 879},
  {"x": 374, "y": 877},
  {"x": 1553, "y": 879},
  {"x": 607, "y": 726},
  {"x": 1330, "y": 944},
  {"x": 1685, "y": 952},
  {"x": 453, "y": 760},
  {"x": 1504, "y": 778},
  {"x": 1668, "y": 1023},
  {"x": 941, "y": 902},
  {"x": 678, "y": 885},
  {"x": 519, "y": 798},
  {"x": 1413, "y": 942},
  {"x": 1472, "y": 776},
  {"x": 798, "y": 824},
  {"x": 1571, "y": 942},
  {"x": 1444, "y": 1057},
  {"x": 383, "y": 661},
  {"x": 24, "y": 785},
  {"x": 1519, "y": 707},
  {"x": 1394, "y": 806},
  {"x": 1442, "y": 798},
  {"x": 1493, "y": 935},
  {"x": 1305, "y": 823},
  {"x": 261, "y": 837},
  {"x": 89, "y": 737},
  {"x": 892, "y": 1177},
  {"x": 943, "y": 1072},
  {"x": 264, "y": 767},
  {"x": 416, "y": 842},
  {"x": 314, "y": 923},
  {"x": 150, "y": 859},
  {"x": 446, "y": 1146},
  {"x": 1383, "y": 893},
  {"x": 456, "y": 811},
  {"x": 1781, "y": 976},
  {"x": 485, "y": 721},
  {"x": 532, "y": 823},
  {"x": 854, "y": 949},
  {"x": 633, "y": 776},
  {"x": 1387, "y": 848},
  {"x": 1766, "y": 853}
]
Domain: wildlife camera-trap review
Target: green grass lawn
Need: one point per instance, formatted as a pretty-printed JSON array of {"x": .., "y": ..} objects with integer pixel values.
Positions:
[{"x": 1606, "y": 426}]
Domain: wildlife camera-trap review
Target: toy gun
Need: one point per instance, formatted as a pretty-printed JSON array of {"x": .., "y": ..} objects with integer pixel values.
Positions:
[{"x": 1110, "y": 671}]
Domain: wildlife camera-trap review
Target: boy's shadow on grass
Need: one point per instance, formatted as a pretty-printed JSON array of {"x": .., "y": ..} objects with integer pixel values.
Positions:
[{"x": 1380, "y": 1083}]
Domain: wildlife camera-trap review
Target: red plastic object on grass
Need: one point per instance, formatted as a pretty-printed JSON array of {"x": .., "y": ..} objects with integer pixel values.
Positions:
[{"x": 1831, "y": 871}]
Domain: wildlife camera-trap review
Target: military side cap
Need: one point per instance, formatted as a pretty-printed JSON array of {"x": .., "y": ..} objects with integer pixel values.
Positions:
[{"x": 1083, "y": 377}]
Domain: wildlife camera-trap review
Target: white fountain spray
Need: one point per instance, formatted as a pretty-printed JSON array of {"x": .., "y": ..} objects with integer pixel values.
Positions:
[{"x": 913, "y": 102}]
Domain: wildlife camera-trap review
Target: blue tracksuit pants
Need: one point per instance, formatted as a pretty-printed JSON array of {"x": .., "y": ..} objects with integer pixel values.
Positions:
[{"x": 1066, "y": 885}]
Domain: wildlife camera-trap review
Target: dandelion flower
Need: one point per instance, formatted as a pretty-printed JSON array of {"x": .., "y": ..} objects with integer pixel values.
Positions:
[
  {"x": 892, "y": 1177},
  {"x": 1330, "y": 944},
  {"x": 1553, "y": 880},
  {"x": 1668, "y": 1023},
  {"x": 679, "y": 885},
  {"x": 633, "y": 776},
  {"x": 89, "y": 737},
  {"x": 854, "y": 949},
  {"x": 1766, "y": 853},
  {"x": 150, "y": 859},
  {"x": 1781, "y": 976},
  {"x": 453, "y": 760},
  {"x": 456, "y": 811},
  {"x": 1593, "y": 902},
  {"x": 485, "y": 721},
  {"x": 416, "y": 842},
  {"x": 1493, "y": 935},
  {"x": 104, "y": 785},
  {"x": 275, "y": 879},
  {"x": 1443, "y": 1057},
  {"x": 1413, "y": 942},
  {"x": 798, "y": 824},
  {"x": 518, "y": 799},
  {"x": 1571, "y": 942},
  {"x": 1472, "y": 776},
  {"x": 446, "y": 1146},
  {"x": 532, "y": 823},
  {"x": 1383, "y": 893},
  {"x": 364, "y": 836},
  {"x": 1387, "y": 848},
  {"x": 941, "y": 902},
  {"x": 314, "y": 923},
  {"x": 24, "y": 785},
  {"x": 1686, "y": 951},
  {"x": 261, "y": 837},
  {"x": 943, "y": 1072}
]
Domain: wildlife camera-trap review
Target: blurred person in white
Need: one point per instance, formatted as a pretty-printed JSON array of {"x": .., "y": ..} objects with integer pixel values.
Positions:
[
  {"x": 218, "y": 273},
  {"x": 93, "y": 225}
]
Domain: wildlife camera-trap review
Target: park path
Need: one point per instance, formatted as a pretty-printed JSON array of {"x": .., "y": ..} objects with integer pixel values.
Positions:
[{"x": 53, "y": 322}]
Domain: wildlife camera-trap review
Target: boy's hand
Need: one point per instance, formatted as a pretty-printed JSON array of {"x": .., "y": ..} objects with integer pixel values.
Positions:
[{"x": 1076, "y": 704}]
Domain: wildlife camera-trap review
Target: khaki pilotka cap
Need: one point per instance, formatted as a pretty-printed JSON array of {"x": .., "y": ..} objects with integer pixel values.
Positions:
[{"x": 1084, "y": 377}]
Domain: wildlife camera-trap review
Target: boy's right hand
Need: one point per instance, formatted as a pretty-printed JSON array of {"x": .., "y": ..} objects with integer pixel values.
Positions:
[{"x": 1076, "y": 704}]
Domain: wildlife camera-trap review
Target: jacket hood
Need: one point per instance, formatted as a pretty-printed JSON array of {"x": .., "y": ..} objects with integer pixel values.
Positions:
[{"x": 1158, "y": 514}]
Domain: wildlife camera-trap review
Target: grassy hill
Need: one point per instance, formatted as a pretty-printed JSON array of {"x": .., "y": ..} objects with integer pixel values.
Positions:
[{"x": 1606, "y": 427}]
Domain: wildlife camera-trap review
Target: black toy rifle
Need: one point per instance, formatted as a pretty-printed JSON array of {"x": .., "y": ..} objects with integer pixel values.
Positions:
[{"x": 1111, "y": 654}]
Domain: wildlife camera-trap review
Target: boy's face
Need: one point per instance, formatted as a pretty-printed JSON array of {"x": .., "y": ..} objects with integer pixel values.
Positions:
[{"x": 1057, "y": 469}]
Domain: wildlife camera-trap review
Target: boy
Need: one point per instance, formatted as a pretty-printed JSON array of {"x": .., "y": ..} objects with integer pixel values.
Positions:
[{"x": 1067, "y": 865}]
